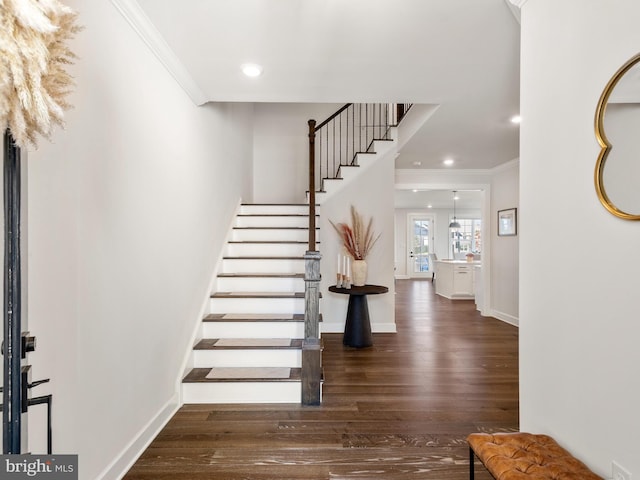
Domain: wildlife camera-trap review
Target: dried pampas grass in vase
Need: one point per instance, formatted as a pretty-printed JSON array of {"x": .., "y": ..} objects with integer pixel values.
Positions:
[
  {"x": 33, "y": 57},
  {"x": 358, "y": 240}
]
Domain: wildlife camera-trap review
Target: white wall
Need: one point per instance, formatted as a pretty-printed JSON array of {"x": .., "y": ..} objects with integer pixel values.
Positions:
[
  {"x": 504, "y": 253},
  {"x": 281, "y": 149},
  {"x": 372, "y": 195},
  {"x": 128, "y": 211},
  {"x": 579, "y": 324}
]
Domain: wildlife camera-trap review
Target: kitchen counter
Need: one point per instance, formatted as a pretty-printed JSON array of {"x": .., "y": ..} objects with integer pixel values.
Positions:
[{"x": 455, "y": 279}]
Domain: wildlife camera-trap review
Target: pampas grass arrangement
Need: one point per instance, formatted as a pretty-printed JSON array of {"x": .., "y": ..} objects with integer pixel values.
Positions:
[
  {"x": 358, "y": 240},
  {"x": 33, "y": 56}
]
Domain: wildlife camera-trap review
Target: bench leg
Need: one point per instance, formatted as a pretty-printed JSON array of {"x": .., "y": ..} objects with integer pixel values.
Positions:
[{"x": 471, "y": 463}]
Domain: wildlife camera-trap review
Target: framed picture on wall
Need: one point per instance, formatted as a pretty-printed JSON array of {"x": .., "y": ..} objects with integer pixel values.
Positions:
[{"x": 508, "y": 222}]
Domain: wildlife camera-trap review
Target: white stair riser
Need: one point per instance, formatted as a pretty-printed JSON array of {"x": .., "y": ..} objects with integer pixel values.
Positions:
[
  {"x": 248, "y": 358},
  {"x": 271, "y": 234},
  {"x": 272, "y": 221},
  {"x": 256, "y": 305},
  {"x": 266, "y": 249},
  {"x": 253, "y": 330},
  {"x": 275, "y": 209},
  {"x": 260, "y": 284},
  {"x": 250, "y": 265},
  {"x": 242, "y": 392},
  {"x": 347, "y": 173}
]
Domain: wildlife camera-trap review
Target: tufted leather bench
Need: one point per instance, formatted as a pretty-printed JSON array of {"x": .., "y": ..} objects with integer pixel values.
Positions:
[{"x": 525, "y": 456}]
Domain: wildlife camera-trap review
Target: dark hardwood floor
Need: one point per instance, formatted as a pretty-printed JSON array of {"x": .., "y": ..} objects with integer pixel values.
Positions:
[{"x": 398, "y": 410}]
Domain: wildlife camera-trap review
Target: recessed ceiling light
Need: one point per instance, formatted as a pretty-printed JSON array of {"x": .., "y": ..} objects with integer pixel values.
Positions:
[
  {"x": 252, "y": 69},
  {"x": 417, "y": 163},
  {"x": 429, "y": 206},
  {"x": 448, "y": 162},
  {"x": 516, "y": 119},
  {"x": 415, "y": 191}
]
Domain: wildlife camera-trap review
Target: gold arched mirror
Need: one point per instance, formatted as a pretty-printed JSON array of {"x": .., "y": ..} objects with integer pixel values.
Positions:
[{"x": 617, "y": 122}]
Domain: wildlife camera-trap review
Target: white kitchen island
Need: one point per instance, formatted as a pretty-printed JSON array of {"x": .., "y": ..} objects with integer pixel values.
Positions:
[{"x": 455, "y": 279}]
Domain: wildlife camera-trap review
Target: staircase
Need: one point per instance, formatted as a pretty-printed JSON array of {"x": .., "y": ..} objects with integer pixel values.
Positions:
[
  {"x": 251, "y": 341},
  {"x": 254, "y": 345}
]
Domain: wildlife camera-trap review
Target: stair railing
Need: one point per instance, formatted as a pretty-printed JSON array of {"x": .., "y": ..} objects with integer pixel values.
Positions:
[{"x": 349, "y": 131}]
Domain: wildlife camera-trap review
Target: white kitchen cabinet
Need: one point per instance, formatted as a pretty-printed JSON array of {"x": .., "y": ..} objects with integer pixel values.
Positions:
[{"x": 454, "y": 279}]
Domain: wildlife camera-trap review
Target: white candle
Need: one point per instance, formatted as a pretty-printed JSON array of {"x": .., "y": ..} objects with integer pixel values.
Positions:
[
  {"x": 348, "y": 266},
  {"x": 339, "y": 264}
]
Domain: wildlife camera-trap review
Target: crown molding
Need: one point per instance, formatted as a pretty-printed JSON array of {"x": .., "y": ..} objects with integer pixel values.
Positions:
[
  {"x": 146, "y": 30},
  {"x": 511, "y": 164},
  {"x": 515, "y": 6}
]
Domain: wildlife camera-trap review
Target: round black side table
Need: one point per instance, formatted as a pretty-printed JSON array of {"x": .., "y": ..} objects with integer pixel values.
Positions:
[{"x": 357, "y": 329}]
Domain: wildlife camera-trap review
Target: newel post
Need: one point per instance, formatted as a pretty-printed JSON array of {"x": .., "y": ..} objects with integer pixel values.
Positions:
[{"x": 311, "y": 345}]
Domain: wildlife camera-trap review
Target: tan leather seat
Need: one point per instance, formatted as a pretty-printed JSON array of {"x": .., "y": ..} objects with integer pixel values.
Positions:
[{"x": 526, "y": 456}]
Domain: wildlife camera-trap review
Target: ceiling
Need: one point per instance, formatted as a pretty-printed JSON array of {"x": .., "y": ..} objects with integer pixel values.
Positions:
[
  {"x": 439, "y": 199},
  {"x": 462, "y": 55}
]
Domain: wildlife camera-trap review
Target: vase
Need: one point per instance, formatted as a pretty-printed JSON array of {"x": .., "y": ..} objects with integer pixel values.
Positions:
[{"x": 359, "y": 272}]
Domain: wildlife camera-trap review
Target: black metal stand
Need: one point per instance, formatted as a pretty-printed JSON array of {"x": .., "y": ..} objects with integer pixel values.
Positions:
[{"x": 12, "y": 394}]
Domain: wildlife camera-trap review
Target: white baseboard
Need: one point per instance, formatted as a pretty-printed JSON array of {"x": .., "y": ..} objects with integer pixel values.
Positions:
[
  {"x": 125, "y": 460},
  {"x": 505, "y": 317},
  {"x": 384, "y": 327},
  {"x": 328, "y": 327}
]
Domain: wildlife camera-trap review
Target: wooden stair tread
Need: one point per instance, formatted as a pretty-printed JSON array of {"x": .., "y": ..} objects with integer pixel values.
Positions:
[
  {"x": 199, "y": 375},
  {"x": 211, "y": 344},
  {"x": 261, "y": 275},
  {"x": 300, "y": 257},
  {"x": 273, "y": 228},
  {"x": 275, "y": 215},
  {"x": 258, "y": 295},
  {"x": 274, "y": 204},
  {"x": 255, "y": 317},
  {"x": 269, "y": 242}
]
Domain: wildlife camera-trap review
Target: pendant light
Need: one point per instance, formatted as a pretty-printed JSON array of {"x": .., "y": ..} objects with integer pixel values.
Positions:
[{"x": 455, "y": 223}]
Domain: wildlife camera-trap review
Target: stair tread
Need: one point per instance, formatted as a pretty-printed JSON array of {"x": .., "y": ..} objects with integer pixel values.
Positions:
[
  {"x": 273, "y": 228},
  {"x": 254, "y": 257},
  {"x": 199, "y": 375},
  {"x": 261, "y": 275},
  {"x": 258, "y": 295},
  {"x": 275, "y": 215},
  {"x": 248, "y": 343},
  {"x": 274, "y": 204},
  {"x": 255, "y": 317},
  {"x": 270, "y": 242}
]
